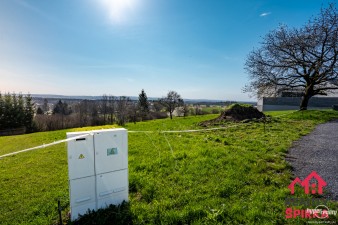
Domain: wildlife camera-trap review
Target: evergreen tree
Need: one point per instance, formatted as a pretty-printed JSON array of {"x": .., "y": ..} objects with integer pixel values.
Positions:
[
  {"x": 1, "y": 112},
  {"x": 143, "y": 104},
  {"x": 45, "y": 107},
  {"x": 39, "y": 111},
  {"x": 8, "y": 111},
  {"x": 29, "y": 114},
  {"x": 58, "y": 108},
  {"x": 62, "y": 108},
  {"x": 21, "y": 110},
  {"x": 15, "y": 112}
]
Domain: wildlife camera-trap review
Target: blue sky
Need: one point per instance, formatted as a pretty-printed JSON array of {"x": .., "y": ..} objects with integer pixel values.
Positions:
[{"x": 93, "y": 47}]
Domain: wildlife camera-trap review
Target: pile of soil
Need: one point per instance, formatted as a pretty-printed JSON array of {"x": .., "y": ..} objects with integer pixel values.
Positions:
[{"x": 236, "y": 113}]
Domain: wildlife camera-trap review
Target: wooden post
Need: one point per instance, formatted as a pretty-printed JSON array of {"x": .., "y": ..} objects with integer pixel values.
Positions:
[{"x": 60, "y": 212}]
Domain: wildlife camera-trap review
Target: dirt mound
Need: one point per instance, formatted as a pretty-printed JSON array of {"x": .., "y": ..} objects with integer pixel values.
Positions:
[{"x": 236, "y": 113}]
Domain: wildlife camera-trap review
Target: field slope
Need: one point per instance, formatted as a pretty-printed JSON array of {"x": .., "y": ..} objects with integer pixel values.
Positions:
[{"x": 236, "y": 175}]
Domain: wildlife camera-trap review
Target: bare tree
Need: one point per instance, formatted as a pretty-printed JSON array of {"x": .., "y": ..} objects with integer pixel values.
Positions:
[
  {"x": 185, "y": 109},
  {"x": 104, "y": 107},
  {"x": 133, "y": 111},
  {"x": 94, "y": 112},
  {"x": 112, "y": 108},
  {"x": 198, "y": 110},
  {"x": 171, "y": 101},
  {"x": 303, "y": 59},
  {"x": 158, "y": 107},
  {"x": 82, "y": 109},
  {"x": 122, "y": 110}
]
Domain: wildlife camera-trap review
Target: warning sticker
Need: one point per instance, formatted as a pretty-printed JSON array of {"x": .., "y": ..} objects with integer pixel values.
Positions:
[
  {"x": 111, "y": 151},
  {"x": 81, "y": 156}
]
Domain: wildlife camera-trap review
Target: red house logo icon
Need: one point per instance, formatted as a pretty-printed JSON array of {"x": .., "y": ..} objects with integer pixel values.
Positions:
[{"x": 313, "y": 187}]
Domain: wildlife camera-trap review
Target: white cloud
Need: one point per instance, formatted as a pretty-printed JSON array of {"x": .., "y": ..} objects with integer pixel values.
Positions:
[{"x": 265, "y": 14}]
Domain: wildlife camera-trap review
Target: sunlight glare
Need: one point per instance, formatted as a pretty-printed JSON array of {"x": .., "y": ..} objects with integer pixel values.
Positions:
[{"x": 118, "y": 10}]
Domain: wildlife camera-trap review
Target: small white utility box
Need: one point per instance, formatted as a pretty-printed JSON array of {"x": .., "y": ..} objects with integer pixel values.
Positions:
[{"x": 98, "y": 169}]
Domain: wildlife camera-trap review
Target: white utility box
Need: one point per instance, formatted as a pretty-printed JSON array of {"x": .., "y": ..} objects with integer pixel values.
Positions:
[{"x": 98, "y": 169}]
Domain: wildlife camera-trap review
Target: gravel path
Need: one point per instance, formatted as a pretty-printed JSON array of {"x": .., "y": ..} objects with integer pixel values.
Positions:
[{"x": 318, "y": 152}]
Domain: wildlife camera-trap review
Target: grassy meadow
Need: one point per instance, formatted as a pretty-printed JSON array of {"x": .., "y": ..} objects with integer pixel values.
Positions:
[{"x": 236, "y": 175}]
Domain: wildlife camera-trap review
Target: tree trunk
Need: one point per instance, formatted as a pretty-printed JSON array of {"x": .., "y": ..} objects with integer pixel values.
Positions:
[
  {"x": 306, "y": 97},
  {"x": 111, "y": 118},
  {"x": 62, "y": 121},
  {"x": 304, "y": 103}
]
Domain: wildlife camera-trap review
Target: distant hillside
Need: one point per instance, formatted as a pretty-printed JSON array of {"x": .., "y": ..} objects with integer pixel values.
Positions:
[{"x": 83, "y": 97}]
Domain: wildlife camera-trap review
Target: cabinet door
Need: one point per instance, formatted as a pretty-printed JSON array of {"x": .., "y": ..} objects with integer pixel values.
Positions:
[
  {"x": 112, "y": 188},
  {"x": 82, "y": 196},
  {"x": 80, "y": 156},
  {"x": 111, "y": 150}
]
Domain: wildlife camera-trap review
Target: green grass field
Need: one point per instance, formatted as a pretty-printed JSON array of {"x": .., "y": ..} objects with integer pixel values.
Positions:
[{"x": 231, "y": 176}]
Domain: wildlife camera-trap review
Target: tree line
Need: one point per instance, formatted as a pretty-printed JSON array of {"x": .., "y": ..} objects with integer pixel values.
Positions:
[
  {"x": 107, "y": 110},
  {"x": 16, "y": 111}
]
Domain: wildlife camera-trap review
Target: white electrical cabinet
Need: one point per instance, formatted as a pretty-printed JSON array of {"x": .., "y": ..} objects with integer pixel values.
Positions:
[{"x": 98, "y": 169}]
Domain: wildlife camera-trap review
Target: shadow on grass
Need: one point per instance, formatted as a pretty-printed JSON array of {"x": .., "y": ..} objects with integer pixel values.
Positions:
[{"x": 109, "y": 216}]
